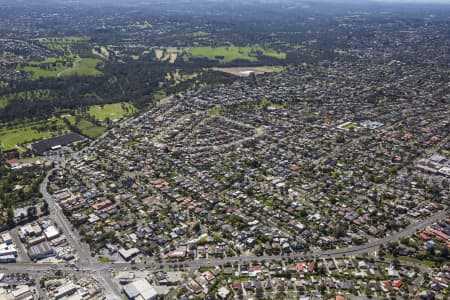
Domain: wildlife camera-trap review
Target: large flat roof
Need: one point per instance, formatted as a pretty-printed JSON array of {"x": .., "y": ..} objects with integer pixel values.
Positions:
[
  {"x": 141, "y": 288},
  {"x": 40, "y": 248},
  {"x": 62, "y": 140}
]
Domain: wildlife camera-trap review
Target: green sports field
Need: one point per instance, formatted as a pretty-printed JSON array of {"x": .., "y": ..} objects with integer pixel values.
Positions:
[
  {"x": 228, "y": 54},
  {"x": 111, "y": 111}
]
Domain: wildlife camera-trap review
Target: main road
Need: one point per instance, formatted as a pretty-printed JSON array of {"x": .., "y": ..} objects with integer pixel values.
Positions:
[
  {"x": 82, "y": 250},
  {"x": 102, "y": 270},
  {"x": 63, "y": 223}
]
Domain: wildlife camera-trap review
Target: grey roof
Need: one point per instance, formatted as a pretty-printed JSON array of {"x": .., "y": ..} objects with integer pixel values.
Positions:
[{"x": 40, "y": 249}]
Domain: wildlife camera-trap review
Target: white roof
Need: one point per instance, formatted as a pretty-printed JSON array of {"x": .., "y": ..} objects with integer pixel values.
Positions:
[
  {"x": 143, "y": 287},
  {"x": 128, "y": 253},
  {"x": 20, "y": 290},
  {"x": 445, "y": 171},
  {"x": 223, "y": 292},
  {"x": 6, "y": 236},
  {"x": 63, "y": 290},
  {"x": 51, "y": 232},
  {"x": 7, "y": 249},
  {"x": 26, "y": 228},
  {"x": 77, "y": 296}
]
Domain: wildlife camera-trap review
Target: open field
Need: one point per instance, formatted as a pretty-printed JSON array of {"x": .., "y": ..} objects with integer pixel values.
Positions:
[
  {"x": 215, "y": 111},
  {"x": 228, "y": 54},
  {"x": 83, "y": 67},
  {"x": 14, "y": 137},
  {"x": 62, "y": 66},
  {"x": 49, "y": 67},
  {"x": 111, "y": 111},
  {"x": 89, "y": 129}
]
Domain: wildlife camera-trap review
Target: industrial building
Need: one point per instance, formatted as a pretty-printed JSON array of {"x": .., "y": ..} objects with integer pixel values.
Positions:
[{"x": 40, "y": 251}]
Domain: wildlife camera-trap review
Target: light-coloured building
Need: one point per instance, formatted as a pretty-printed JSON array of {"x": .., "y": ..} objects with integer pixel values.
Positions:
[
  {"x": 51, "y": 233},
  {"x": 140, "y": 289},
  {"x": 6, "y": 237},
  {"x": 65, "y": 290},
  {"x": 128, "y": 254}
]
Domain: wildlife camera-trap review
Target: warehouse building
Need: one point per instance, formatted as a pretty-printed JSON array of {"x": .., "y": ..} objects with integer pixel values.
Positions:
[
  {"x": 40, "y": 251},
  {"x": 140, "y": 289}
]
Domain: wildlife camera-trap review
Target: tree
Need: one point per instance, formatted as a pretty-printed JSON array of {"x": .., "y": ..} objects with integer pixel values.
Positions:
[
  {"x": 445, "y": 252},
  {"x": 31, "y": 213},
  {"x": 10, "y": 218},
  {"x": 45, "y": 207},
  {"x": 217, "y": 237}
]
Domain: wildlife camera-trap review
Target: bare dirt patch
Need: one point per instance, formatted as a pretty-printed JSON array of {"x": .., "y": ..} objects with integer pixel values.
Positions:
[{"x": 244, "y": 71}]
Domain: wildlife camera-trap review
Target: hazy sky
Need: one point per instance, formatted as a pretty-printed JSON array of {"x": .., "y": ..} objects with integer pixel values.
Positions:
[
  {"x": 417, "y": 1},
  {"x": 358, "y": 2},
  {"x": 346, "y": 1}
]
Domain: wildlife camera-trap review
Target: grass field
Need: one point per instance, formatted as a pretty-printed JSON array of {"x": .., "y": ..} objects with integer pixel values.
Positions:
[
  {"x": 83, "y": 67},
  {"x": 62, "y": 66},
  {"x": 49, "y": 67},
  {"x": 351, "y": 126},
  {"x": 86, "y": 127},
  {"x": 228, "y": 54},
  {"x": 89, "y": 129},
  {"x": 215, "y": 111},
  {"x": 111, "y": 111},
  {"x": 103, "y": 259},
  {"x": 12, "y": 138}
]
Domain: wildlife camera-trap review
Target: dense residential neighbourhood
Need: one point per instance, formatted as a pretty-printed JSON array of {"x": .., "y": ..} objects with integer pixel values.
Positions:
[
  {"x": 253, "y": 170},
  {"x": 195, "y": 150}
]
